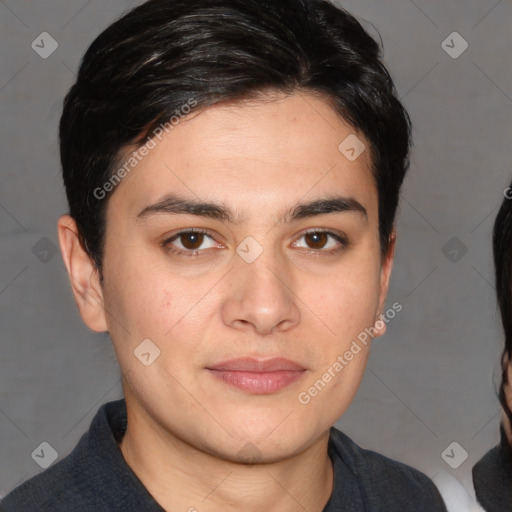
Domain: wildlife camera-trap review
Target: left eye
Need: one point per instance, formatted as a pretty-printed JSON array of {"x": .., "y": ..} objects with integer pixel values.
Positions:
[{"x": 318, "y": 240}]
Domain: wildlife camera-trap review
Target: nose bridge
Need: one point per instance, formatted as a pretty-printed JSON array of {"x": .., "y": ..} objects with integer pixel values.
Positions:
[
  {"x": 263, "y": 276},
  {"x": 260, "y": 294}
]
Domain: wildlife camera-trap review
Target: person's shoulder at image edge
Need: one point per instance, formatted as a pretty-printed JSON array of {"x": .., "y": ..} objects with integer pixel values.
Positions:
[{"x": 492, "y": 477}]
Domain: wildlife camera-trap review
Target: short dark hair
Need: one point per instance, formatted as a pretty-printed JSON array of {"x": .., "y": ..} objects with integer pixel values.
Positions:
[
  {"x": 502, "y": 253},
  {"x": 144, "y": 67}
]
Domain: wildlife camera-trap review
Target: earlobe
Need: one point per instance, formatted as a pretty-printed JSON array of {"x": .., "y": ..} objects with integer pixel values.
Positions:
[
  {"x": 379, "y": 326},
  {"x": 83, "y": 275},
  {"x": 385, "y": 275}
]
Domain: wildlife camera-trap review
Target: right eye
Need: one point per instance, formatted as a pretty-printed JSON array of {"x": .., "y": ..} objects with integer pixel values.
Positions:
[{"x": 189, "y": 242}]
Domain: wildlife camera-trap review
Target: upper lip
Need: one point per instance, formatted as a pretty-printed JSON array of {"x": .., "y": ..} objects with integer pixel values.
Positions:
[{"x": 250, "y": 364}]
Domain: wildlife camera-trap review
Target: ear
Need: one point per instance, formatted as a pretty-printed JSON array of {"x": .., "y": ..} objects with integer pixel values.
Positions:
[
  {"x": 83, "y": 275},
  {"x": 385, "y": 274}
]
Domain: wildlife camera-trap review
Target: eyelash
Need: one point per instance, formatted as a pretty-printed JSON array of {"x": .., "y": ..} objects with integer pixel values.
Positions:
[{"x": 342, "y": 240}]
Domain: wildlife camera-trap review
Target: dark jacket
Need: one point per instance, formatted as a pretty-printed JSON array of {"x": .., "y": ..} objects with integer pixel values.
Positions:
[
  {"x": 492, "y": 477},
  {"x": 96, "y": 478}
]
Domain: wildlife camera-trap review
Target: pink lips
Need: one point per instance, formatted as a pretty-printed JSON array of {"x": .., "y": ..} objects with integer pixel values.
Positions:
[{"x": 256, "y": 376}]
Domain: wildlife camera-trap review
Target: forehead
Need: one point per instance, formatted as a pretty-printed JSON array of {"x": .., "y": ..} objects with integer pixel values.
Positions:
[{"x": 254, "y": 155}]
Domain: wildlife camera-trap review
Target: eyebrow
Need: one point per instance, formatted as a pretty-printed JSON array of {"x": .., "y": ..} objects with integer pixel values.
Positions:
[{"x": 176, "y": 205}]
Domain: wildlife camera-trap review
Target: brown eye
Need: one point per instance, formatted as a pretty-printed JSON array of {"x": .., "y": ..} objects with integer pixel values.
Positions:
[
  {"x": 192, "y": 241},
  {"x": 316, "y": 240},
  {"x": 322, "y": 242}
]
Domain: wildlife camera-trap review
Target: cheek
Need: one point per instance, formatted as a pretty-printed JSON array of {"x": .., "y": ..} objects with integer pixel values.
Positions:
[
  {"x": 508, "y": 387},
  {"x": 349, "y": 300},
  {"x": 156, "y": 304}
]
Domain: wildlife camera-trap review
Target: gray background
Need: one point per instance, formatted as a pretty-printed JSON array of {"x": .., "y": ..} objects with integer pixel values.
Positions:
[{"x": 430, "y": 379}]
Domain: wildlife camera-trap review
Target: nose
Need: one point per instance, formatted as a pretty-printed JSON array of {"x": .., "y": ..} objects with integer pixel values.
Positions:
[{"x": 261, "y": 298}]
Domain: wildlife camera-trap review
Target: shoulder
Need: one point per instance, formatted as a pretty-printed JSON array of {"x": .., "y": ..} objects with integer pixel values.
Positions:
[
  {"x": 390, "y": 484},
  {"x": 491, "y": 476},
  {"x": 55, "y": 489},
  {"x": 70, "y": 484}
]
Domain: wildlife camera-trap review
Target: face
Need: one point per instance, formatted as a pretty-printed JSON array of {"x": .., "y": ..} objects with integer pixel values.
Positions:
[
  {"x": 250, "y": 300},
  {"x": 508, "y": 395}
]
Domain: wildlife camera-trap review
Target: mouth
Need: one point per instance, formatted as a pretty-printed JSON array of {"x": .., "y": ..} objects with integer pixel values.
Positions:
[{"x": 258, "y": 376}]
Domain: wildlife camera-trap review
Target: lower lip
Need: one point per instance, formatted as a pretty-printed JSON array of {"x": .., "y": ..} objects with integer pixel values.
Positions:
[{"x": 259, "y": 383}]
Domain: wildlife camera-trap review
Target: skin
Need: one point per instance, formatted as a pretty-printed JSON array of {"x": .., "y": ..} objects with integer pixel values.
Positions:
[
  {"x": 186, "y": 427},
  {"x": 508, "y": 394}
]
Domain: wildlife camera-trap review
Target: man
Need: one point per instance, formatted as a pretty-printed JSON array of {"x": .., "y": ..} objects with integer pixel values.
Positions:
[{"x": 233, "y": 170}]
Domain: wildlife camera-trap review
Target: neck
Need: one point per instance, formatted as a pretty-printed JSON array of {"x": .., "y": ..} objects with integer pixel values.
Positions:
[{"x": 182, "y": 477}]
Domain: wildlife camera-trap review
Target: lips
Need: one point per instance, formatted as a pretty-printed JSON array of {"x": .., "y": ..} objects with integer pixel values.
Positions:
[
  {"x": 258, "y": 376},
  {"x": 249, "y": 364}
]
